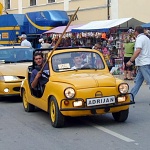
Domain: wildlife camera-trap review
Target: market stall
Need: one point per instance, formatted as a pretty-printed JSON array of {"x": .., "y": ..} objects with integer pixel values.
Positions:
[
  {"x": 109, "y": 34},
  {"x": 60, "y": 29},
  {"x": 105, "y": 25},
  {"x": 118, "y": 30}
]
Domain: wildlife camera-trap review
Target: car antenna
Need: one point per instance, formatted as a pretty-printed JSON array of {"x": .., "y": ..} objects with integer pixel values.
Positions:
[{"x": 59, "y": 40}]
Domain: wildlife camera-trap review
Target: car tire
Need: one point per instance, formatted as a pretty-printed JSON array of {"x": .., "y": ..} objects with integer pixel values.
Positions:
[
  {"x": 57, "y": 119},
  {"x": 121, "y": 116},
  {"x": 27, "y": 106}
]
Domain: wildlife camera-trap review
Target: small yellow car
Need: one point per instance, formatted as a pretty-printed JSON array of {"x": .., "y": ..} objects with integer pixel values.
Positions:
[
  {"x": 79, "y": 84},
  {"x": 14, "y": 61}
]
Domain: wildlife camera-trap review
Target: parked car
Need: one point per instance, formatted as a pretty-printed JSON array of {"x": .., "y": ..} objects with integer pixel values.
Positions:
[
  {"x": 73, "y": 90},
  {"x": 14, "y": 61}
]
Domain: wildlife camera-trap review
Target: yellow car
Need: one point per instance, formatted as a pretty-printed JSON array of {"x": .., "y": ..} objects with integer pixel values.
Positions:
[
  {"x": 14, "y": 61},
  {"x": 79, "y": 84}
]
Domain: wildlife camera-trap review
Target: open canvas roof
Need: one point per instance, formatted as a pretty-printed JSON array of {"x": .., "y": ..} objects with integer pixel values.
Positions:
[
  {"x": 105, "y": 25},
  {"x": 60, "y": 29}
]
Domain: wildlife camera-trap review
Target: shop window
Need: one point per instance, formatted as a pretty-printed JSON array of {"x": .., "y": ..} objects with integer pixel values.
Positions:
[
  {"x": 7, "y": 4},
  {"x": 32, "y": 2},
  {"x": 51, "y": 1}
]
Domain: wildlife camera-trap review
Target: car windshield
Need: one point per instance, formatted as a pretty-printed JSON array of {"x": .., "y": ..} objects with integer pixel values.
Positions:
[
  {"x": 14, "y": 55},
  {"x": 77, "y": 61}
]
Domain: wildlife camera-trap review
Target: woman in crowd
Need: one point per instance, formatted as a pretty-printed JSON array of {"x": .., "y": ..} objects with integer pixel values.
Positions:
[{"x": 128, "y": 52}]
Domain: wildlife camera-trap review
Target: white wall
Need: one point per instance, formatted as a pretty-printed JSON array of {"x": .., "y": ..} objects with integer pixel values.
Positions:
[
  {"x": 114, "y": 9},
  {"x": 66, "y": 5},
  {"x": 19, "y": 6}
]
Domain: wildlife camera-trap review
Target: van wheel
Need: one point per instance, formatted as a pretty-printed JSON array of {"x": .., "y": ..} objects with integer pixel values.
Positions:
[
  {"x": 57, "y": 119},
  {"x": 27, "y": 106},
  {"x": 121, "y": 116}
]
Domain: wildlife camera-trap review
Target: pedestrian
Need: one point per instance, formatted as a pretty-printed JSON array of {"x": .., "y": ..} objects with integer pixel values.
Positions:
[
  {"x": 128, "y": 52},
  {"x": 24, "y": 41},
  {"x": 45, "y": 44},
  {"x": 98, "y": 47},
  {"x": 141, "y": 57},
  {"x": 106, "y": 55},
  {"x": 147, "y": 32}
]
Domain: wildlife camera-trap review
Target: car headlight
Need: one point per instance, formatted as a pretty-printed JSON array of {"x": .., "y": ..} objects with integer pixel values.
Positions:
[
  {"x": 8, "y": 78},
  {"x": 69, "y": 92},
  {"x": 123, "y": 88}
]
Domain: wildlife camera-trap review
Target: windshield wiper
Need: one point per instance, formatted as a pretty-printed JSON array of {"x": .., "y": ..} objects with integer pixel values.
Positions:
[
  {"x": 7, "y": 62},
  {"x": 84, "y": 68}
]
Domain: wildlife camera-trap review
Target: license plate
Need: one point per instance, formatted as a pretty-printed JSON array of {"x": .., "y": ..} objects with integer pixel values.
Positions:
[{"x": 100, "y": 101}]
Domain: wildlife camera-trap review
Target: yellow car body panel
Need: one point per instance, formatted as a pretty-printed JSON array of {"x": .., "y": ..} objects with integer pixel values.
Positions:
[{"x": 15, "y": 69}]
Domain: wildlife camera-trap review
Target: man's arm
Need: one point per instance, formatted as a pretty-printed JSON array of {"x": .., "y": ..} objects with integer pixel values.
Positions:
[
  {"x": 135, "y": 55},
  {"x": 36, "y": 79}
]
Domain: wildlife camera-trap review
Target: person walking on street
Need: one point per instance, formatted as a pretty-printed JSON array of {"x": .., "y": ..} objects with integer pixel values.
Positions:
[
  {"x": 141, "y": 57},
  {"x": 24, "y": 41},
  {"x": 128, "y": 52},
  {"x": 45, "y": 44}
]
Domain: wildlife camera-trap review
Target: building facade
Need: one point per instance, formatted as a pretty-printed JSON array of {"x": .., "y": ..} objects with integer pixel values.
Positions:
[{"x": 90, "y": 10}]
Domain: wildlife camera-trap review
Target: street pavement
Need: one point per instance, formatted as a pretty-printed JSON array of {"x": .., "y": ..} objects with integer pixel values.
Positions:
[{"x": 20, "y": 130}]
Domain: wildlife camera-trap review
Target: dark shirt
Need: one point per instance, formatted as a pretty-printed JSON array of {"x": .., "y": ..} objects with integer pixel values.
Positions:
[{"x": 43, "y": 79}]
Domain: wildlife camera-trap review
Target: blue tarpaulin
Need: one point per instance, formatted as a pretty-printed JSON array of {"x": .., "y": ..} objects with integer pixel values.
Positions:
[
  {"x": 11, "y": 20},
  {"x": 146, "y": 25}
]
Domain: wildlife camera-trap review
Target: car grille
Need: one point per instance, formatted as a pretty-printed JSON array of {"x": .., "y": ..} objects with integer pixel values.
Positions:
[
  {"x": 17, "y": 89},
  {"x": 21, "y": 77}
]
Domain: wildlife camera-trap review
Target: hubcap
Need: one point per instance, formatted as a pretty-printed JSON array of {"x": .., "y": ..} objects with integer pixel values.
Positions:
[
  {"x": 25, "y": 103},
  {"x": 53, "y": 111}
]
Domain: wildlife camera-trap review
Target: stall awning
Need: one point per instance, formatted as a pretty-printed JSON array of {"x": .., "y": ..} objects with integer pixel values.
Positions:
[
  {"x": 105, "y": 25},
  {"x": 60, "y": 29}
]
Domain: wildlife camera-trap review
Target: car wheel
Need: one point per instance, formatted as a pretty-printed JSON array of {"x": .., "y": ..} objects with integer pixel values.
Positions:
[
  {"x": 27, "y": 106},
  {"x": 121, "y": 116},
  {"x": 57, "y": 119}
]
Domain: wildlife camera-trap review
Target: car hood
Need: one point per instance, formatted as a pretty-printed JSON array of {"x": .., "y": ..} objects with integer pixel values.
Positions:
[
  {"x": 16, "y": 69},
  {"x": 86, "y": 80}
]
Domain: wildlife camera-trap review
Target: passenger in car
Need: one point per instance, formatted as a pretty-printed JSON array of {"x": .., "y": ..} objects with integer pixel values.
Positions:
[
  {"x": 78, "y": 60},
  {"x": 37, "y": 76}
]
